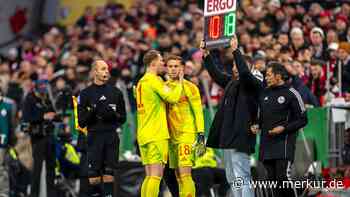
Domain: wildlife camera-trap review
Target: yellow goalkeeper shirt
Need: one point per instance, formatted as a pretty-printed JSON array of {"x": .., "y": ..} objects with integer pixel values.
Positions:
[
  {"x": 185, "y": 116},
  {"x": 151, "y": 95}
]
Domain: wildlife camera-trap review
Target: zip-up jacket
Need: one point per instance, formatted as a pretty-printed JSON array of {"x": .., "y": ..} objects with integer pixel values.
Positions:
[
  {"x": 280, "y": 106},
  {"x": 237, "y": 110}
]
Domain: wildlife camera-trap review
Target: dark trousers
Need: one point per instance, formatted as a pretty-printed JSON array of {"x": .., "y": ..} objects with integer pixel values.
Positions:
[
  {"x": 102, "y": 153},
  {"x": 43, "y": 149},
  {"x": 279, "y": 170},
  {"x": 102, "y": 159},
  {"x": 169, "y": 178},
  {"x": 19, "y": 178},
  {"x": 84, "y": 180},
  {"x": 207, "y": 178}
]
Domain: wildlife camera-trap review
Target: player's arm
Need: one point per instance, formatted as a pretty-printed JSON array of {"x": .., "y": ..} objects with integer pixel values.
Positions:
[
  {"x": 167, "y": 94},
  {"x": 196, "y": 105},
  {"x": 192, "y": 93}
]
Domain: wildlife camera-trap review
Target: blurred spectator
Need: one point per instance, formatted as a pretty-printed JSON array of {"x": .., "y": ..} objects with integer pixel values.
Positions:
[
  {"x": 324, "y": 19},
  {"x": 332, "y": 36},
  {"x": 297, "y": 38},
  {"x": 269, "y": 30},
  {"x": 344, "y": 57},
  {"x": 317, "y": 44},
  {"x": 297, "y": 72},
  {"x": 317, "y": 80},
  {"x": 341, "y": 25},
  {"x": 259, "y": 61}
]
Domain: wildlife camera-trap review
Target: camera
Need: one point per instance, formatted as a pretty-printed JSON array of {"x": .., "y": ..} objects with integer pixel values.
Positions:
[
  {"x": 64, "y": 100},
  {"x": 39, "y": 130}
]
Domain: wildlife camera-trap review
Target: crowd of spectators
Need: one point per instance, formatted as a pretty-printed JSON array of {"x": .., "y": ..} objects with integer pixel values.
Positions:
[{"x": 305, "y": 36}]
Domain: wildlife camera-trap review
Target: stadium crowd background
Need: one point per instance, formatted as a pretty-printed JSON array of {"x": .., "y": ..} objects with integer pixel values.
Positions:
[{"x": 304, "y": 36}]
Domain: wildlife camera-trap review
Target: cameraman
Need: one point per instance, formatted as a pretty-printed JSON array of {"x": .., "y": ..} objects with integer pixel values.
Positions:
[
  {"x": 101, "y": 109},
  {"x": 38, "y": 112}
]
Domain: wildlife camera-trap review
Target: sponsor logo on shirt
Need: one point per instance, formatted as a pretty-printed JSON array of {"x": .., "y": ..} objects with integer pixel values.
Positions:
[
  {"x": 102, "y": 98},
  {"x": 113, "y": 106}
]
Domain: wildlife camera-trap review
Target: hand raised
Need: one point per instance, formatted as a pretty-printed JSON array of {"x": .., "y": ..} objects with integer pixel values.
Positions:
[
  {"x": 203, "y": 48},
  {"x": 234, "y": 43}
]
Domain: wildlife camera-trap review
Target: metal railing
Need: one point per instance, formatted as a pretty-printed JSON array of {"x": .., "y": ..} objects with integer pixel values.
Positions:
[{"x": 336, "y": 135}]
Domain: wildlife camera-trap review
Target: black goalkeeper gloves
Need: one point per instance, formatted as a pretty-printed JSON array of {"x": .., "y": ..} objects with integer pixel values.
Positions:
[{"x": 199, "y": 146}]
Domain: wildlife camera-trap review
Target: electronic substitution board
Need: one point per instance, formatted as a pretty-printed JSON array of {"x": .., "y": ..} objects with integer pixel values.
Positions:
[{"x": 219, "y": 22}]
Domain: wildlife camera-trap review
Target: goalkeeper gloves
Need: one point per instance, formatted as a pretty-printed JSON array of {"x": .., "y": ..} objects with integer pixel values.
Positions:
[{"x": 199, "y": 146}]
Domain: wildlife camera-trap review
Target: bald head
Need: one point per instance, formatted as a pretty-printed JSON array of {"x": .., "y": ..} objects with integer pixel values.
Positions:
[
  {"x": 98, "y": 63},
  {"x": 100, "y": 71}
]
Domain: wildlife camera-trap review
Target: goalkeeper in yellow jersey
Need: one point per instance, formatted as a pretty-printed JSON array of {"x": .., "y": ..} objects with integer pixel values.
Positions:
[
  {"x": 186, "y": 128},
  {"x": 152, "y": 94}
]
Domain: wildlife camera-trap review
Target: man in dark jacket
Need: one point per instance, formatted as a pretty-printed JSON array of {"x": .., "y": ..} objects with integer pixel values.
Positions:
[
  {"x": 237, "y": 112},
  {"x": 304, "y": 91},
  {"x": 282, "y": 114},
  {"x": 39, "y": 113}
]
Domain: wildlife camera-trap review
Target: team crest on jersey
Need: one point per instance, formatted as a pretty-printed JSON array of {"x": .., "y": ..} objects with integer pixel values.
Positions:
[
  {"x": 281, "y": 99},
  {"x": 183, "y": 99},
  {"x": 3, "y": 112}
]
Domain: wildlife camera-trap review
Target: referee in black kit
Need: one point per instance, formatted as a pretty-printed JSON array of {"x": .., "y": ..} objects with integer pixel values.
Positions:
[
  {"x": 101, "y": 109},
  {"x": 282, "y": 114}
]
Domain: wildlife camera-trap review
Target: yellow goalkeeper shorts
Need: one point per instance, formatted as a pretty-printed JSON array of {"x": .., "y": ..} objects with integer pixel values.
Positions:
[
  {"x": 154, "y": 152},
  {"x": 180, "y": 151}
]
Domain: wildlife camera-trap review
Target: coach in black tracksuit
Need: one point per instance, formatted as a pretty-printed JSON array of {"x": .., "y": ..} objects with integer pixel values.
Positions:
[
  {"x": 101, "y": 109},
  {"x": 282, "y": 114}
]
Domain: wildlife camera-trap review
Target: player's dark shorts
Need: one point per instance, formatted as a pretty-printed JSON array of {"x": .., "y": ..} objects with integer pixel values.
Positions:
[{"x": 103, "y": 151}]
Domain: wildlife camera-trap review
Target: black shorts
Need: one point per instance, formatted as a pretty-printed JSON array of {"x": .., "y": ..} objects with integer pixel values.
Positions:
[{"x": 102, "y": 151}]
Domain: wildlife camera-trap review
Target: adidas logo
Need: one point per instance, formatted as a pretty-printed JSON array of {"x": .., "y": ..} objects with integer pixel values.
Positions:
[{"x": 102, "y": 98}]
